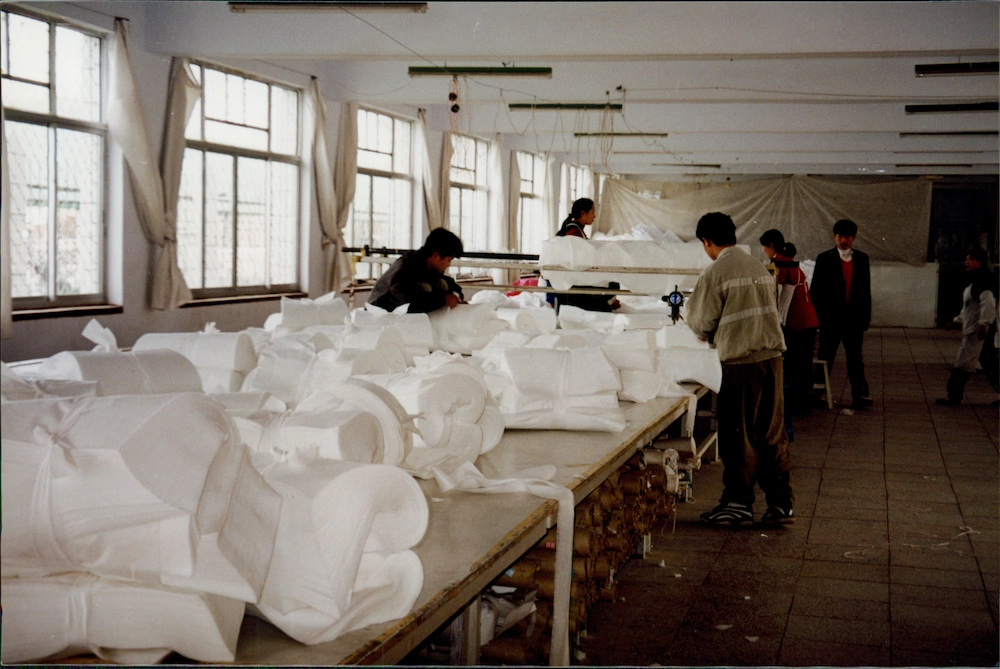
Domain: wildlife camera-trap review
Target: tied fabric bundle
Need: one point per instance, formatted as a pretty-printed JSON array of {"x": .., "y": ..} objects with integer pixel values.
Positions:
[
  {"x": 119, "y": 621},
  {"x": 533, "y": 320},
  {"x": 153, "y": 488},
  {"x": 417, "y": 331},
  {"x": 341, "y": 558},
  {"x": 325, "y": 310},
  {"x": 334, "y": 435},
  {"x": 223, "y": 359},
  {"x": 116, "y": 373},
  {"x": 465, "y": 328},
  {"x": 281, "y": 365}
]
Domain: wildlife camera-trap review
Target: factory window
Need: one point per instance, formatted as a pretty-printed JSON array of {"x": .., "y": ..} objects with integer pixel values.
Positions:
[
  {"x": 380, "y": 215},
  {"x": 469, "y": 194},
  {"x": 532, "y": 227},
  {"x": 55, "y": 146},
  {"x": 238, "y": 210},
  {"x": 577, "y": 182}
]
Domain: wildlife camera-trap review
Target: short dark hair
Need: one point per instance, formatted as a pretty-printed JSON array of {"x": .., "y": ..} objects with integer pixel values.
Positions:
[
  {"x": 717, "y": 228},
  {"x": 979, "y": 254},
  {"x": 444, "y": 242},
  {"x": 773, "y": 238},
  {"x": 845, "y": 227},
  {"x": 581, "y": 207}
]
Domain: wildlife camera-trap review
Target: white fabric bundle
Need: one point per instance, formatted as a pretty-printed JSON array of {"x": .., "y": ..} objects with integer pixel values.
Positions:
[
  {"x": 575, "y": 318},
  {"x": 465, "y": 328},
  {"x": 334, "y": 435},
  {"x": 492, "y": 425},
  {"x": 363, "y": 396},
  {"x": 533, "y": 320},
  {"x": 153, "y": 488},
  {"x": 417, "y": 331},
  {"x": 325, "y": 310},
  {"x": 239, "y": 403},
  {"x": 17, "y": 388},
  {"x": 576, "y": 339},
  {"x": 331, "y": 367},
  {"x": 644, "y": 321},
  {"x": 119, "y": 621},
  {"x": 679, "y": 336},
  {"x": 639, "y": 385},
  {"x": 222, "y": 359},
  {"x": 281, "y": 365},
  {"x": 631, "y": 349},
  {"x": 564, "y": 389},
  {"x": 386, "y": 339},
  {"x": 342, "y": 559},
  {"x": 688, "y": 364},
  {"x": 138, "y": 373}
]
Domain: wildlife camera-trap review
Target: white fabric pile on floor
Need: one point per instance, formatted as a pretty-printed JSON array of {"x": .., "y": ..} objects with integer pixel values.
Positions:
[
  {"x": 154, "y": 489},
  {"x": 119, "y": 621},
  {"x": 342, "y": 559},
  {"x": 417, "y": 331},
  {"x": 465, "y": 328},
  {"x": 223, "y": 359},
  {"x": 575, "y": 253}
]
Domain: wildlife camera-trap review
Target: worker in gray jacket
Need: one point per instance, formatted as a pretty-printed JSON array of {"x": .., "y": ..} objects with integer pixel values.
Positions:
[{"x": 733, "y": 306}]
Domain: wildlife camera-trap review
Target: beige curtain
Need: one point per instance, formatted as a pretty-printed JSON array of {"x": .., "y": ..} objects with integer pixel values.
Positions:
[
  {"x": 338, "y": 269},
  {"x": 496, "y": 203},
  {"x": 326, "y": 198},
  {"x": 444, "y": 179},
  {"x": 432, "y": 205},
  {"x": 514, "y": 204},
  {"x": 6, "y": 303},
  {"x": 155, "y": 191},
  {"x": 550, "y": 196},
  {"x": 893, "y": 217}
]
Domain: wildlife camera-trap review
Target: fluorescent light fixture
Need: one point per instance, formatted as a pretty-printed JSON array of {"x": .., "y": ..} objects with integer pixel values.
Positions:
[
  {"x": 454, "y": 71},
  {"x": 326, "y": 5},
  {"x": 953, "y": 108},
  {"x": 946, "y": 69},
  {"x": 933, "y": 165},
  {"x": 521, "y": 106},
  {"x": 952, "y": 133},
  {"x": 620, "y": 134},
  {"x": 704, "y": 165}
]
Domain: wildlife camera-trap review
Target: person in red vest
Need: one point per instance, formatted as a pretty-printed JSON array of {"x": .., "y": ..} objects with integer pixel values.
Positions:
[{"x": 842, "y": 294}]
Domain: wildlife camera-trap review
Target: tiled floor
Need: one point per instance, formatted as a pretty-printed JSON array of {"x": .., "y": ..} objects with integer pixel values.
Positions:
[{"x": 894, "y": 559}]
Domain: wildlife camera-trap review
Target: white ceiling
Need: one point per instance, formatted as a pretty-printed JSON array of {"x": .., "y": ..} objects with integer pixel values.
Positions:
[{"x": 755, "y": 88}]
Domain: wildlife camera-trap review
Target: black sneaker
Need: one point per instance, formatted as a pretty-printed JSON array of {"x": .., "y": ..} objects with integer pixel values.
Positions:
[
  {"x": 775, "y": 515},
  {"x": 729, "y": 512},
  {"x": 947, "y": 402}
]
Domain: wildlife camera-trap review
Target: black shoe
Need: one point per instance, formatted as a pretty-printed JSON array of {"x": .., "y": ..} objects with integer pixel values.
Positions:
[
  {"x": 862, "y": 403},
  {"x": 729, "y": 512},
  {"x": 775, "y": 515},
  {"x": 947, "y": 402}
]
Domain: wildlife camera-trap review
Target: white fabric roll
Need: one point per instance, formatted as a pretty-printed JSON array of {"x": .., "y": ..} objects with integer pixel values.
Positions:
[
  {"x": 129, "y": 486},
  {"x": 296, "y": 314},
  {"x": 492, "y": 425},
  {"x": 698, "y": 365},
  {"x": 530, "y": 320},
  {"x": 272, "y": 321},
  {"x": 335, "y": 435},
  {"x": 440, "y": 362},
  {"x": 331, "y": 367},
  {"x": 465, "y": 444},
  {"x": 465, "y": 328},
  {"x": 230, "y": 351},
  {"x": 14, "y": 387},
  {"x": 679, "y": 336},
  {"x": 249, "y": 402},
  {"x": 342, "y": 525},
  {"x": 280, "y": 367},
  {"x": 648, "y": 321},
  {"x": 364, "y": 396},
  {"x": 640, "y": 385},
  {"x": 575, "y": 318},
  {"x": 119, "y": 621},
  {"x": 416, "y": 329},
  {"x": 579, "y": 339},
  {"x": 138, "y": 373}
]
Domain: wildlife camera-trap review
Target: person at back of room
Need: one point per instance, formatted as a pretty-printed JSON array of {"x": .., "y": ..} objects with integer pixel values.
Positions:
[
  {"x": 418, "y": 277},
  {"x": 581, "y": 215}
]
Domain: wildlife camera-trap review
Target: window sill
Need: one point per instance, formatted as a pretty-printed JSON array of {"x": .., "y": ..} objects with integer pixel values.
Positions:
[
  {"x": 238, "y": 299},
  {"x": 61, "y": 312}
]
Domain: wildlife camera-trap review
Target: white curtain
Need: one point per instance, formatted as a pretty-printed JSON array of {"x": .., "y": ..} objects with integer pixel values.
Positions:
[
  {"x": 550, "y": 196},
  {"x": 155, "y": 191},
  {"x": 514, "y": 204},
  {"x": 6, "y": 303},
  {"x": 432, "y": 205},
  {"x": 495, "y": 218},
  {"x": 893, "y": 217},
  {"x": 444, "y": 179},
  {"x": 326, "y": 198},
  {"x": 338, "y": 269}
]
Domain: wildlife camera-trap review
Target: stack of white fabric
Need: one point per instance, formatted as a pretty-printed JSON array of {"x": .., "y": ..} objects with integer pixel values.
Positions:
[
  {"x": 223, "y": 359},
  {"x": 416, "y": 329},
  {"x": 325, "y": 310},
  {"x": 362, "y": 350},
  {"x": 152, "y": 489},
  {"x": 575, "y": 318},
  {"x": 341, "y": 559},
  {"x": 684, "y": 357},
  {"x": 465, "y": 328},
  {"x": 118, "y": 373},
  {"x": 282, "y": 363}
]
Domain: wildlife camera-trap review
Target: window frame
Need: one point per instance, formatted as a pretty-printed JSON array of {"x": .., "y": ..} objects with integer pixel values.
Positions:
[
  {"x": 52, "y": 122},
  {"x": 466, "y": 189},
  {"x": 532, "y": 197},
  {"x": 376, "y": 270},
  {"x": 205, "y": 147}
]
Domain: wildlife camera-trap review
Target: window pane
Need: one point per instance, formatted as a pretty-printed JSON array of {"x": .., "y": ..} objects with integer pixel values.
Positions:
[
  {"x": 384, "y": 133},
  {"x": 27, "y": 153},
  {"x": 215, "y": 94},
  {"x": 255, "y": 103},
  {"x": 193, "y": 130},
  {"x": 284, "y": 120},
  {"x": 78, "y": 208},
  {"x": 382, "y": 211},
  {"x": 482, "y": 151},
  {"x": 467, "y": 225},
  {"x": 479, "y": 218},
  {"x": 455, "y": 211},
  {"x": 362, "y": 129},
  {"x": 189, "y": 219},
  {"x": 251, "y": 216},
  {"x": 218, "y": 220},
  {"x": 29, "y": 49},
  {"x": 402, "y": 199},
  {"x": 371, "y": 132},
  {"x": 234, "y": 99},
  {"x": 401, "y": 148},
  {"x": 78, "y": 75},
  {"x": 284, "y": 223},
  {"x": 361, "y": 220},
  {"x": 540, "y": 174},
  {"x": 235, "y": 135},
  {"x": 28, "y": 97},
  {"x": 374, "y": 161}
]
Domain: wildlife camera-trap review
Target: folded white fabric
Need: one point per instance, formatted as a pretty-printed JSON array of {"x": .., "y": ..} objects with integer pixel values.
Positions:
[
  {"x": 341, "y": 559},
  {"x": 14, "y": 387},
  {"x": 119, "y": 621},
  {"x": 138, "y": 373},
  {"x": 238, "y": 403},
  {"x": 575, "y": 318},
  {"x": 153, "y": 488},
  {"x": 332, "y": 367},
  {"x": 386, "y": 339},
  {"x": 465, "y": 328},
  {"x": 631, "y": 349},
  {"x": 222, "y": 358},
  {"x": 679, "y": 336},
  {"x": 640, "y": 385},
  {"x": 688, "y": 364},
  {"x": 532, "y": 320},
  {"x": 281, "y": 365},
  {"x": 366, "y": 397},
  {"x": 645, "y": 321},
  {"x": 325, "y": 310},
  {"x": 335, "y": 435},
  {"x": 417, "y": 331}
]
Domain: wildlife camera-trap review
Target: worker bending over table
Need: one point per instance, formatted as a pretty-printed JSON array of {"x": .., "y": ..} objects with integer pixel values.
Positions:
[
  {"x": 733, "y": 307},
  {"x": 418, "y": 277}
]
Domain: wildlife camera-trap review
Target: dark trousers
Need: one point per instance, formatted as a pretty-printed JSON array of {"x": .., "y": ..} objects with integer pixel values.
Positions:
[
  {"x": 830, "y": 337},
  {"x": 752, "y": 440},
  {"x": 989, "y": 360},
  {"x": 799, "y": 369}
]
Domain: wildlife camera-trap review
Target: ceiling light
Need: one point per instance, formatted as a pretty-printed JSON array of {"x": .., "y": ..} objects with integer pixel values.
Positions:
[
  {"x": 933, "y": 165},
  {"x": 952, "y": 133},
  {"x": 945, "y": 69},
  {"x": 521, "y": 106},
  {"x": 452, "y": 71},
  {"x": 714, "y": 167},
  {"x": 620, "y": 134},
  {"x": 323, "y": 5},
  {"x": 953, "y": 108}
]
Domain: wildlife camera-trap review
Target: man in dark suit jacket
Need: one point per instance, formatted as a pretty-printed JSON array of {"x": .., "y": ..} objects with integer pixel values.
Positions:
[{"x": 842, "y": 294}]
